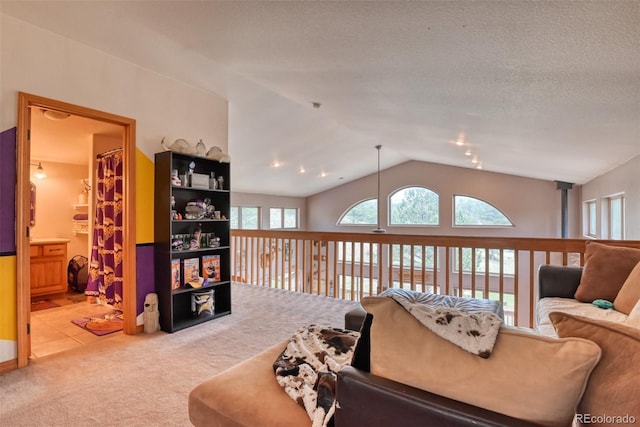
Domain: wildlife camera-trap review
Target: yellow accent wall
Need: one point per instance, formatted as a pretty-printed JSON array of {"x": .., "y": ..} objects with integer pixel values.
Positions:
[
  {"x": 8, "y": 313},
  {"x": 144, "y": 198}
]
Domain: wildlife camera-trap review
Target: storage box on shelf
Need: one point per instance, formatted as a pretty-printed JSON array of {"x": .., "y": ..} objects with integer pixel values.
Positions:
[{"x": 192, "y": 237}]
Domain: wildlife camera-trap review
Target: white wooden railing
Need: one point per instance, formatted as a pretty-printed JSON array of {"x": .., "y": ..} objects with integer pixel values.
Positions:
[{"x": 353, "y": 265}]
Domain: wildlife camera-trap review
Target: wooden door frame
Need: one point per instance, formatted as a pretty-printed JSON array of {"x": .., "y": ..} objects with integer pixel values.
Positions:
[{"x": 23, "y": 281}]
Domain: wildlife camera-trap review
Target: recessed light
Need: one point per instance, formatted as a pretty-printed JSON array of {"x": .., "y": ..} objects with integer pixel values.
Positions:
[
  {"x": 276, "y": 164},
  {"x": 323, "y": 174},
  {"x": 302, "y": 169},
  {"x": 459, "y": 142},
  {"x": 467, "y": 153},
  {"x": 479, "y": 166},
  {"x": 474, "y": 160}
]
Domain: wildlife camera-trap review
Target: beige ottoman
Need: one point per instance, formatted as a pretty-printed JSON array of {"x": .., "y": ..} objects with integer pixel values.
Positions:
[{"x": 246, "y": 395}]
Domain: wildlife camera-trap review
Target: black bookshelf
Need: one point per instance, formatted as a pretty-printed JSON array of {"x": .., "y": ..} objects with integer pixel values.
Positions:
[{"x": 191, "y": 229}]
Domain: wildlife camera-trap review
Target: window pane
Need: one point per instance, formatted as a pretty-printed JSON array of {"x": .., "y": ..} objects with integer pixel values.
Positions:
[
  {"x": 275, "y": 218},
  {"x": 591, "y": 209},
  {"x": 480, "y": 261},
  {"x": 414, "y": 205},
  {"x": 416, "y": 255},
  {"x": 234, "y": 217},
  {"x": 615, "y": 216},
  {"x": 250, "y": 218},
  {"x": 472, "y": 211},
  {"x": 291, "y": 218},
  {"x": 362, "y": 213}
]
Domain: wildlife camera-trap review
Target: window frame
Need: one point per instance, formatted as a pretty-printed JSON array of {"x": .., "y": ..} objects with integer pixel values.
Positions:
[
  {"x": 240, "y": 220},
  {"x": 282, "y": 218},
  {"x": 350, "y": 208},
  {"x": 454, "y": 223},
  {"x": 588, "y": 206},
  {"x": 610, "y": 199},
  {"x": 507, "y": 254},
  {"x": 390, "y": 222}
]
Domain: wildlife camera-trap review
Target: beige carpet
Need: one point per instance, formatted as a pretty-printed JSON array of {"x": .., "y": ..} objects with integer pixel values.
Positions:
[{"x": 144, "y": 380}]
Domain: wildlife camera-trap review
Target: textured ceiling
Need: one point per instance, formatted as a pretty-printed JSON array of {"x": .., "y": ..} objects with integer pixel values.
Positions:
[{"x": 548, "y": 90}]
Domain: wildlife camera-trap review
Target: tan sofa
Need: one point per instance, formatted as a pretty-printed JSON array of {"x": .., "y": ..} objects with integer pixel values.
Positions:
[
  {"x": 557, "y": 286},
  {"x": 246, "y": 395},
  {"x": 561, "y": 369}
]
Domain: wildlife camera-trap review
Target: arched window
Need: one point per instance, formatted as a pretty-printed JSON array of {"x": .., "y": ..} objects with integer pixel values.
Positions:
[
  {"x": 362, "y": 213},
  {"x": 475, "y": 212},
  {"x": 414, "y": 206}
]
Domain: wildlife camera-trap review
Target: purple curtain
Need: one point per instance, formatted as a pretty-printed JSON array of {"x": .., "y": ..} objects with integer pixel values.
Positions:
[{"x": 105, "y": 267}]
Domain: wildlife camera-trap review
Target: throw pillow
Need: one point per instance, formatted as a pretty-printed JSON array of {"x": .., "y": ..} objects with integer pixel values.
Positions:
[
  {"x": 527, "y": 376},
  {"x": 629, "y": 292},
  {"x": 614, "y": 385},
  {"x": 605, "y": 270},
  {"x": 633, "y": 319}
]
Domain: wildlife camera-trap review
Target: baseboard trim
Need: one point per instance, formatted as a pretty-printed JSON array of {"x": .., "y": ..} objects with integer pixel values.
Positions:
[{"x": 9, "y": 365}]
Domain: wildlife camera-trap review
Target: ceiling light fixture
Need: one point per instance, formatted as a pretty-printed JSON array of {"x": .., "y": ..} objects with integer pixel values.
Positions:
[
  {"x": 474, "y": 160},
  {"x": 40, "y": 173},
  {"x": 467, "y": 153},
  {"x": 55, "y": 115},
  {"x": 323, "y": 174},
  {"x": 479, "y": 166},
  {"x": 302, "y": 169},
  {"x": 379, "y": 229},
  {"x": 276, "y": 164}
]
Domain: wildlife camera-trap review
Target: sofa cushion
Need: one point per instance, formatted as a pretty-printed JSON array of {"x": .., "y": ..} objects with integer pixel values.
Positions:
[
  {"x": 633, "y": 319},
  {"x": 629, "y": 293},
  {"x": 527, "y": 376},
  {"x": 545, "y": 306},
  {"x": 246, "y": 395},
  {"x": 614, "y": 385},
  {"x": 605, "y": 270}
]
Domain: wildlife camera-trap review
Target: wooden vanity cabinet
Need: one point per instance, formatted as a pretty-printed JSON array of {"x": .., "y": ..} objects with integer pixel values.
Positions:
[{"x": 48, "y": 268}]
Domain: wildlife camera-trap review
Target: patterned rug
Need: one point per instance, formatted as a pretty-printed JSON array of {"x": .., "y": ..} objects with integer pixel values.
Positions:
[
  {"x": 43, "y": 305},
  {"x": 107, "y": 323}
]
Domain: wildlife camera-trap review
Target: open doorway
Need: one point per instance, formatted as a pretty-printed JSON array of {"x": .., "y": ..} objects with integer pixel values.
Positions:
[{"x": 28, "y": 106}]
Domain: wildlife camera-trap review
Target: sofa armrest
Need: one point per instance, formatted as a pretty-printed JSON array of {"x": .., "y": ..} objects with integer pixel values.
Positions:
[
  {"x": 558, "y": 281},
  {"x": 364, "y": 399}
]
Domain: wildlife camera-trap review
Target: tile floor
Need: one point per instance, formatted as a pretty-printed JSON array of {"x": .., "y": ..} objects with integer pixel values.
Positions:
[{"x": 52, "y": 330}]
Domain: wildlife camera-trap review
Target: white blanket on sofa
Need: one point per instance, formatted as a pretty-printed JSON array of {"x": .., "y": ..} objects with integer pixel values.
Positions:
[
  {"x": 473, "y": 332},
  {"x": 307, "y": 368}
]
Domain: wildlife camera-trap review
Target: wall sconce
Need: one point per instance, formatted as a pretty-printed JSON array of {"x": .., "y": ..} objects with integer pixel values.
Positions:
[{"x": 40, "y": 174}]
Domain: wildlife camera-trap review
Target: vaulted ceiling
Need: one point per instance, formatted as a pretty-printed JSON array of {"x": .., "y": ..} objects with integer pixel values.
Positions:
[{"x": 548, "y": 90}]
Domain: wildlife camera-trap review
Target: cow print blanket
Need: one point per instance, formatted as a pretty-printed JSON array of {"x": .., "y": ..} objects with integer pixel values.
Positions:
[
  {"x": 307, "y": 368},
  {"x": 473, "y": 332}
]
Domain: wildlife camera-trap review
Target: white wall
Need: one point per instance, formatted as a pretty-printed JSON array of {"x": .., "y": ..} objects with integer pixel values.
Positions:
[
  {"x": 532, "y": 205},
  {"x": 42, "y": 63},
  {"x": 625, "y": 179},
  {"x": 55, "y": 197}
]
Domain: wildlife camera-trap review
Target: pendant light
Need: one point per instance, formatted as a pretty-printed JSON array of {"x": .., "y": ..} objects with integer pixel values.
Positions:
[{"x": 379, "y": 229}]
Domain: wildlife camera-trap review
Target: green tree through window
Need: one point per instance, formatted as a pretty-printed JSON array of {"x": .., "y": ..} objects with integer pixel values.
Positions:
[
  {"x": 472, "y": 211},
  {"x": 414, "y": 206},
  {"x": 362, "y": 213}
]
